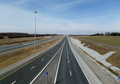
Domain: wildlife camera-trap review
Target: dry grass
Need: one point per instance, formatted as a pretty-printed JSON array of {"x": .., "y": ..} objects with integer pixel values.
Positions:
[
  {"x": 101, "y": 49},
  {"x": 23, "y": 53},
  {"x": 114, "y": 59},
  {"x": 110, "y": 40},
  {"x": 9, "y": 41}
]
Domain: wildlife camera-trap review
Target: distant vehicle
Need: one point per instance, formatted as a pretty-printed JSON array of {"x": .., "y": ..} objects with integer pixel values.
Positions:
[{"x": 22, "y": 44}]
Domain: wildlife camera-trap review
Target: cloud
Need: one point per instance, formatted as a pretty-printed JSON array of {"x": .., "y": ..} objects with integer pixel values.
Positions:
[
  {"x": 59, "y": 5},
  {"x": 16, "y": 19}
]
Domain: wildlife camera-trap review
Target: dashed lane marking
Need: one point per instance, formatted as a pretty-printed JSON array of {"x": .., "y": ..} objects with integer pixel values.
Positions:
[
  {"x": 70, "y": 73},
  {"x": 13, "y": 82},
  {"x": 42, "y": 59},
  {"x": 33, "y": 67}
]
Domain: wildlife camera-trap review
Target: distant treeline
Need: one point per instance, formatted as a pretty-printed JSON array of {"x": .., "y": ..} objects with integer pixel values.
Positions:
[
  {"x": 19, "y": 35},
  {"x": 107, "y": 34},
  {"x": 78, "y": 35},
  {"x": 101, "y": 34}
]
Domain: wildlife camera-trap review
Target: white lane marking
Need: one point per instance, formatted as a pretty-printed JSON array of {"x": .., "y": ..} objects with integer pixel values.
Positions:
[
  {"x": 42, "y": 59},
  {"x": 70, "y": 73},
  {"x": 58, "y": 65},
  {"x": 45, "y": 67},
  {"x": 68, "y": 61},
  {"x": 67, "y": 55},
  {"x": 33, "y": 67},
  {"x": 73, "y": 51},
  {"x": 68, "y": 58},
  {"x": 13, "y": 82}
]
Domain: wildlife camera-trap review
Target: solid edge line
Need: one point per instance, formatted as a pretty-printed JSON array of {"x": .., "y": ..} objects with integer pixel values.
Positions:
[
  {"x": 44, "y": 67},
  {"x": 58, "y": 65},
  {"x": 79, "y": 63}
]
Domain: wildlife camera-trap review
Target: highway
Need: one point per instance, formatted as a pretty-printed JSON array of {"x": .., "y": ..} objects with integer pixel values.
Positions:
[
  {"x": 14, "y": 46},
  {"x": 59, "y": 62},
  {"x": 25, "y": 73},
  {"x": 69, "y": 71}
]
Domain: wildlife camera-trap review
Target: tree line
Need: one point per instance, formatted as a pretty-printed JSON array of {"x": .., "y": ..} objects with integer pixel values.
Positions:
[
  {"x": 20, "y": 35},
  {"x": 107, "y": 34}
]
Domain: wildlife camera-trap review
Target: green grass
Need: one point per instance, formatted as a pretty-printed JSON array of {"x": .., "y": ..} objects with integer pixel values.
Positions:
[{"x": 110, "y": 40}]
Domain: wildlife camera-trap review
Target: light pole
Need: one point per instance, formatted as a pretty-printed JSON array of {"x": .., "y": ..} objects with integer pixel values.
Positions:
[{"x": 35, "y": 32}]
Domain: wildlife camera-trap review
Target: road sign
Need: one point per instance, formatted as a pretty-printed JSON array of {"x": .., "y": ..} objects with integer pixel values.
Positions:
[
  {"x": 118, "y": 78},
  {"x": 46, "y": 77},
  {"x": 46, "y": 73}
]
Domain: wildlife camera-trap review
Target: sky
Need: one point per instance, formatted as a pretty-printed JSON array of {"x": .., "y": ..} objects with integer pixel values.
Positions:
[{"x": 60, "y": 16}]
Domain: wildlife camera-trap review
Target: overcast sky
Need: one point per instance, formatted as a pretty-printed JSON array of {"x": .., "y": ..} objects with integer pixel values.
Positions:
[{"x": 70, "y": 16}]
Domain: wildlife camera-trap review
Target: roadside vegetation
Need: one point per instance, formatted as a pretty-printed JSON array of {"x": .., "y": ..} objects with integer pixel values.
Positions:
[
  {"x": 114, "y": 59},
  {"x": 110, "y": 40},
  {"x": 13, "y": 57}
]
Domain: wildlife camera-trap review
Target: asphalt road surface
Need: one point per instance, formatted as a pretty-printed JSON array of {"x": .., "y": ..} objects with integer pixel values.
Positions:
[{"x": 69, "y": 71}]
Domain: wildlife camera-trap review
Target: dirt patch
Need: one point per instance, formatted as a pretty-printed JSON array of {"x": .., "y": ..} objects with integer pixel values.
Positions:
[{"x": 13, "y": 57}]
